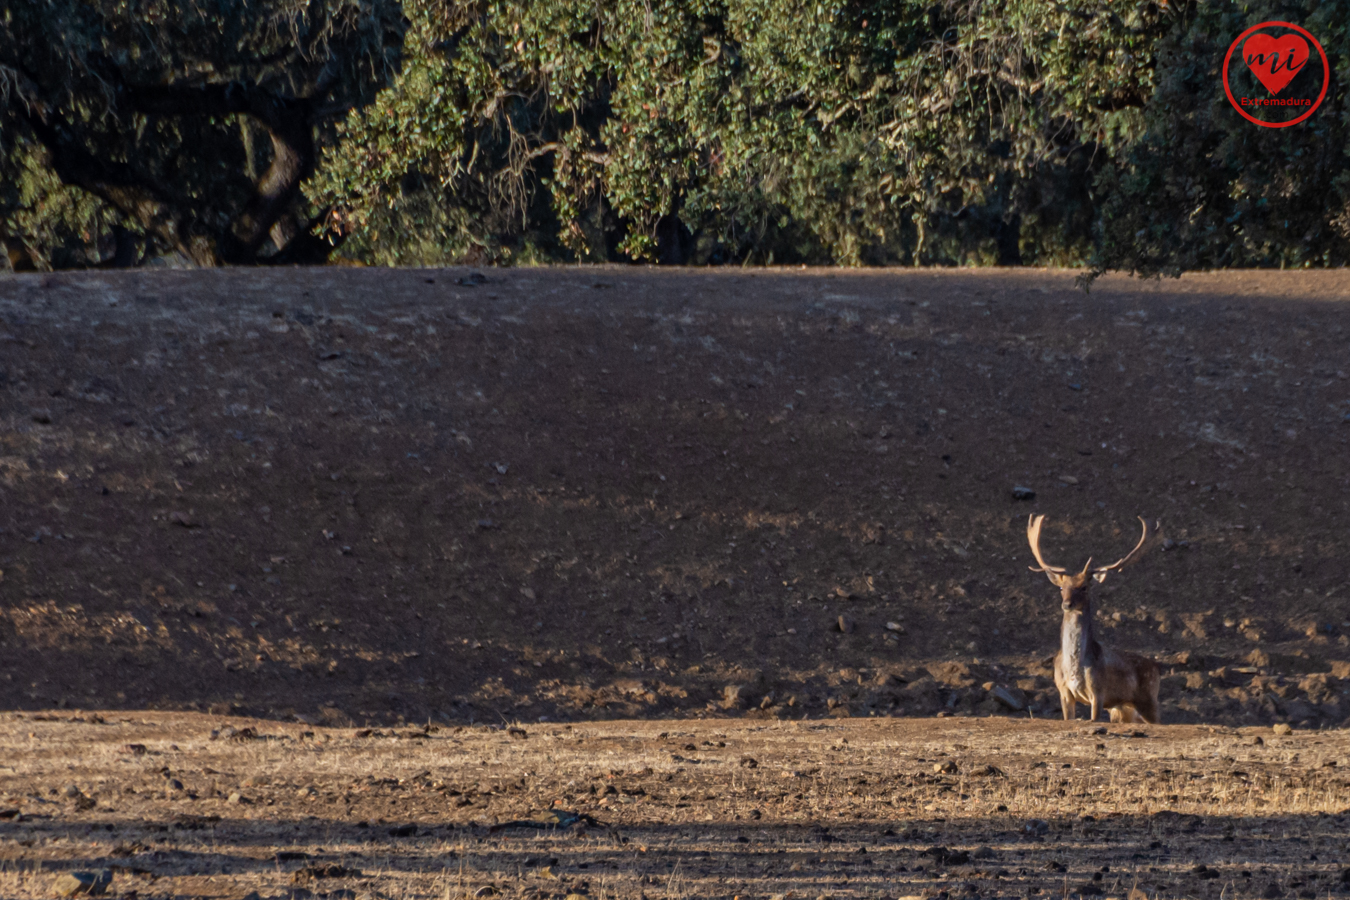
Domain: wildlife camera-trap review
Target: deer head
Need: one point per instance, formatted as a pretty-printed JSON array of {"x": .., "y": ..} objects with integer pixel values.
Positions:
[{"x": 1073, "y": 585}]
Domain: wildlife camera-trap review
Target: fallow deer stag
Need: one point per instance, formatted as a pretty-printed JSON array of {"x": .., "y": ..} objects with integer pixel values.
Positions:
[{"x": 1126, "y": 684}]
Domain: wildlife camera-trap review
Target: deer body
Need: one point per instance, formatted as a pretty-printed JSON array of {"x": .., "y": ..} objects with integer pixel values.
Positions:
[{"x": 1125, "y": 684}]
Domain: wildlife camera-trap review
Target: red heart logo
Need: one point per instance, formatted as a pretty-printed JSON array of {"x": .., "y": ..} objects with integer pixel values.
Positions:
[{"x": 1275, "y": 61}]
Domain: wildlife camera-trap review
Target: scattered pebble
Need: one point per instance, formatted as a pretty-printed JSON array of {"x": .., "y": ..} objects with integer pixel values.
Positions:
[{"x": 74, "y": 884}]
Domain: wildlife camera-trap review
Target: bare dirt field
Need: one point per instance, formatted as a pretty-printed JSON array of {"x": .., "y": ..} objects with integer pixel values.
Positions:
[
  {"x": 373, "y": 496},
  {"x": 189, "y": 805},
  {"x": 697, "y": 556}
]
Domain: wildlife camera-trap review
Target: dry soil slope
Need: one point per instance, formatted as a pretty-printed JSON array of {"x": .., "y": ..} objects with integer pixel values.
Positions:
[{"x": 599, "y": 492}]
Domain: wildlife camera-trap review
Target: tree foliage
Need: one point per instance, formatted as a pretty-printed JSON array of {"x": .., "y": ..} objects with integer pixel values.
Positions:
[
  {"x": 703, "y": 131},
  {"x": 187, "y": 126},
  {"x": 760, "y": 130},
  {"x": 1204, "y": 188}
]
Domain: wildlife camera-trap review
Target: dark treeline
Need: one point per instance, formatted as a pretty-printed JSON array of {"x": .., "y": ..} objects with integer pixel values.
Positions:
[{"x": 1081, "y": 133}]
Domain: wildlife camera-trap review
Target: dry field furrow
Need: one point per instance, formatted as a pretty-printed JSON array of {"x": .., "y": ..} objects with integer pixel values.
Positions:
[{"x": 187, "y": 805}]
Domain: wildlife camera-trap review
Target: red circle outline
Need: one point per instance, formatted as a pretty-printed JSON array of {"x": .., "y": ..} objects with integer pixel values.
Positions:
[{"x": 1326, "y": 75}]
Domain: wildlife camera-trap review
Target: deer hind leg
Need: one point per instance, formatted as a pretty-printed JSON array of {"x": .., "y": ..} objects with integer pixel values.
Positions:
[
  {"x": 1095, "y": 709},
  {"x": 1147, "y": 710},
  {"x": 1126, "y": 712},
  {"x": 1068, "y": 706}
]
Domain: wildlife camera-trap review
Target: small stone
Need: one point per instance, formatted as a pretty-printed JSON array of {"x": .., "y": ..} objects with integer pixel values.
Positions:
[
  {"x": 947, "y": 857},
  {"x": 235, "y": 798},
  {"x": 749, "y": 762},
  {"x": 983, "y": 853},
  {"x": 896, "y": 627},
  {"x": 1036, "y": 827},
  {"x": 845, "y": 624},
  {"x": 1023, "y": 493},
  {"x": 1014, "y": 699},
  {"x": 175, "y": 785},
  {"x": 947, "y": 767},
  {"x": 1068, "y": 479},
  {"x": 733, "y": 696},
  {"x": 73, "y": 884},
  {"x": 323, "y": 870},
  {"x": 306, "y": 792},
  {"x": 70, "y": 792},
  {"x": 1282, "y": 728}
]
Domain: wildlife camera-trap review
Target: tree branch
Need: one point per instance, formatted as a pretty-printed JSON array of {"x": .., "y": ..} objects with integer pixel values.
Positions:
[
  {"x": 289, "y": 122},
  {"x": 116, "y": 183}
]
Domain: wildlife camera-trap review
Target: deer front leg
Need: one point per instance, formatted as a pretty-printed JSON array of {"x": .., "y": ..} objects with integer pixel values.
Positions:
[{"x": 1093, "y": 704}]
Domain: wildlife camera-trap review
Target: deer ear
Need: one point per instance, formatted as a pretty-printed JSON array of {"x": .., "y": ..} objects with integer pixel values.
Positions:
[{"x": 1099, "y": 577}]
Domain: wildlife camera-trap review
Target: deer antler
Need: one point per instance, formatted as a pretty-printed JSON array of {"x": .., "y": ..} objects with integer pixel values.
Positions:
[
  {"x": 1034, "y": 539},
  {"x": 1100, "y": 571}
]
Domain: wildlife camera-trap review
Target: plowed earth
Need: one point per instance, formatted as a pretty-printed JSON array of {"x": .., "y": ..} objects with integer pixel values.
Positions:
[{"x": 372, "y": 497}]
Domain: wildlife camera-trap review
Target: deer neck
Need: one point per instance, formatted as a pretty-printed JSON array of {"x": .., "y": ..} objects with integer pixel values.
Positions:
[{"x": 1077, "y": 642}]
